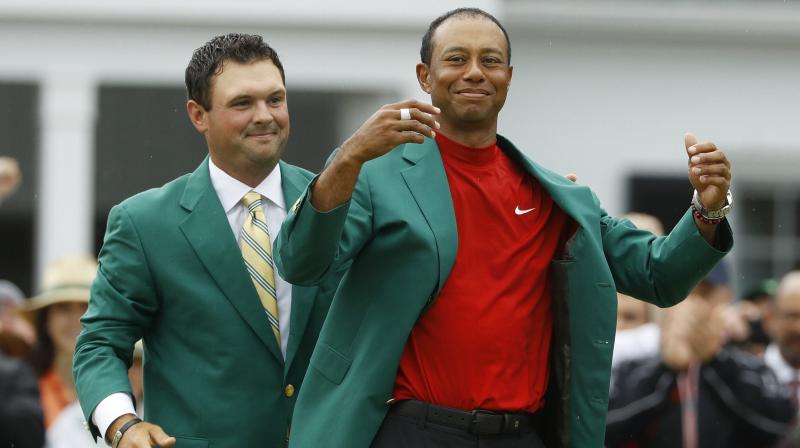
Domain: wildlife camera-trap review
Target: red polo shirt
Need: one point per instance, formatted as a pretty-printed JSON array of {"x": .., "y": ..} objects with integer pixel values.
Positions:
[{"x": 485, "y": 341}]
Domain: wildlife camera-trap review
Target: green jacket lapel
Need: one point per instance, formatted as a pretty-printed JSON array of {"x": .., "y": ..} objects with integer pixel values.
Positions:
[
  {"x": 574, "y": 199},
  {"x": 294, "y": 183},
  {"x": 207, "y": 230},
  {"x": 427, "y": 181}
]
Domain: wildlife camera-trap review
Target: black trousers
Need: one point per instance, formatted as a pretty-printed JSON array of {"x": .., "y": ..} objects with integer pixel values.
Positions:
[{"x": 399, "y": 431}]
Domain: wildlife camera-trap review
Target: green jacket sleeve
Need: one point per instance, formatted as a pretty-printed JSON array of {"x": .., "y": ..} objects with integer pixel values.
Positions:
[
  {"x": 122, "y": 304},
  {"x": 661, "y": 270},
  {"x": 312, "y": 243}
]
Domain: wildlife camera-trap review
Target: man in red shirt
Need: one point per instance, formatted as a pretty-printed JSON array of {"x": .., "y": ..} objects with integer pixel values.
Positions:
[{"x": 479, "y": 306}]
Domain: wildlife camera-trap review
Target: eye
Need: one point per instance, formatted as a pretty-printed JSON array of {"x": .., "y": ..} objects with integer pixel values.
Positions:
[
  {"x": 241, "y": 104},
  {"x": 456, "y": 58},
  {"x": 491, "y": 60},
  {"x": 276, "y": 100}
]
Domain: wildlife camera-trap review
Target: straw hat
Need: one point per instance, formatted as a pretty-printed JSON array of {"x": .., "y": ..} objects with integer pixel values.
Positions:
[{"x": 65, "y": 280}]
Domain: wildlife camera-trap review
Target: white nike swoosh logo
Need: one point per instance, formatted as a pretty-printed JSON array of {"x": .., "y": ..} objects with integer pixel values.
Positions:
[{"x": 522, "y": 212}]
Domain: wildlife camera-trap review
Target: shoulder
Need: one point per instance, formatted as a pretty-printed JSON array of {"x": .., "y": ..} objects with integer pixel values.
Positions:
[
  {"x": 155, "y": 198},
  {"x": 153, "y": 205}
]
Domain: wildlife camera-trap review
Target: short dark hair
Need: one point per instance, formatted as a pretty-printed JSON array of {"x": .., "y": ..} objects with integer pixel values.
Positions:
[
  {"x": 207, "y": 62},
  {"x": 426, "y": 50}
]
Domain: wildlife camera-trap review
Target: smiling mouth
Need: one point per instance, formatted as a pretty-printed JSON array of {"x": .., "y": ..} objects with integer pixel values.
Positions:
[
  {"x": 262, "y": 135},
  {"x": 473, "y": 93}
]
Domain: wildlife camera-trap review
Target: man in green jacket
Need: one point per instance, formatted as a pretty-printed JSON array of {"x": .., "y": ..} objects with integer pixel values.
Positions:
[
  {"x": 479, "y": 304},
  {"x": 187, "y": 267}
]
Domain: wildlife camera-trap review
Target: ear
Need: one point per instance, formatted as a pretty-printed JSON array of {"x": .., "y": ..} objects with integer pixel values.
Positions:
[
  {"x": 510, "y": 74},
  {"x": 423, "y": 77},
  {"x": 198, "y": 115}
]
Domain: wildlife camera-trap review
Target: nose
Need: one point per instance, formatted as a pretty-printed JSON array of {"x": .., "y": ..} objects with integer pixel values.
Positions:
[
  {"x": 473, "y": 71},
  {"x": 262, "y": 113}
]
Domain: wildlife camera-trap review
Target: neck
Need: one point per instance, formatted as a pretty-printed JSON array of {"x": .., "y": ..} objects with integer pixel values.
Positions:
[
  {"x": 249, "y": 174},
  {"x": 473, "y": 136}
]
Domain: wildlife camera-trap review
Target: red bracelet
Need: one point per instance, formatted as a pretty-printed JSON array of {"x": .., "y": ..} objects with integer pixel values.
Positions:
[{"x": 698, "y": 215}]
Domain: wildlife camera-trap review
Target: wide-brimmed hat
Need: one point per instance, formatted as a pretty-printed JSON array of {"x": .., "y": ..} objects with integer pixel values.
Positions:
[{"x": 65, "y": 280}]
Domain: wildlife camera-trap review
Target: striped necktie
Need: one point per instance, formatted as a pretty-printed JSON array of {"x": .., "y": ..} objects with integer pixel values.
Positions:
[{"x": 257, "y": 256}]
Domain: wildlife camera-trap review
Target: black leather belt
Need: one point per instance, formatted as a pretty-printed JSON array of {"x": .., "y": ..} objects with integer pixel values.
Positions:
[{"x": 478, "y": 422}]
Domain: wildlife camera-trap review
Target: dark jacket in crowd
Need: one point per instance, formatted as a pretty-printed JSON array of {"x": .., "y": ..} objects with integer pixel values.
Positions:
[
  {"x": 740, "y": 404},
  {"x": 21, "y": 417}
]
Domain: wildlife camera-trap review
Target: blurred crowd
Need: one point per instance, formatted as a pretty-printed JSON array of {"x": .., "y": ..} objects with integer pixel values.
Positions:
[
  {"x": 38, "y": 403},
  {"x": 713, "y": 371}
]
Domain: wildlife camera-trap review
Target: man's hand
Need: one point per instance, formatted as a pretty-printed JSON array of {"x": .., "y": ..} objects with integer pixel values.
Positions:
[
  {"x": 709, "y": 172},
  {"x": 385, "y": 129},
  {"x": 140, "y": 435},
  {"x": 710, "y": 175}
]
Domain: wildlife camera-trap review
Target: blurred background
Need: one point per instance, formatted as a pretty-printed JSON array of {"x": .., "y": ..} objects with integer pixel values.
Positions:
[{"x": 92, "y": 103}]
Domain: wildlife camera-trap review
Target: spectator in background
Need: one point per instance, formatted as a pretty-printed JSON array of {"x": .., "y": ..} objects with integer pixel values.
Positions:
[
  {"x": 637, "y": 329},
  {"x": 697, "y": 392},
  {"x": 21, "y": 423},
  {"x": 56, "y": 313},
  {"x": 16, "y": 334},
  {"x": 783, "y": 323},
  {"x": 755, "y": 307},
  {"x": 10, "y": 177}
]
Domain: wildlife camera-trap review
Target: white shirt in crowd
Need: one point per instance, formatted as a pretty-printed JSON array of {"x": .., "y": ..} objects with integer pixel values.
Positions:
[
  {"x": 68, "y": 430},
  {"x": 230, "y": 192},
  {"x": 636, "y": 343},
  {"x": 786, "y": 374}
]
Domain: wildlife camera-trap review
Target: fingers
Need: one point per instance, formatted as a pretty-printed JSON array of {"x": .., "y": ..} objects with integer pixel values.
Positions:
[
  {"x": 572, "y": 177},
  {"x": 689, "y": 140},
  {"x": 699, "y": 148},
  {"x": 424, "y": 118},
  {"x": 415, "y": 126},
  {"x": 416, "y": 104},
  {"x": 719, "y": 169},
  {"x": 160, "y": 438},
  {"x": 714, "y": 156},
  {"x": 411, "y": 137}
]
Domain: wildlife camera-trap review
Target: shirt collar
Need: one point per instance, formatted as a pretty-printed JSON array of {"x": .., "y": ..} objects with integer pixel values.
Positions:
[{"x": 231, "y": 190}]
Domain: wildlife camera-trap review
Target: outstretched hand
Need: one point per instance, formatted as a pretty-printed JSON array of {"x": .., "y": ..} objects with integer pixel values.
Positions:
[{"x": 709, "y": 172}]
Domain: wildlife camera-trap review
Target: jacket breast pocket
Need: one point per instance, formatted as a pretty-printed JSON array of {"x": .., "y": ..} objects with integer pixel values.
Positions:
[{"x": 330, "y": 363}]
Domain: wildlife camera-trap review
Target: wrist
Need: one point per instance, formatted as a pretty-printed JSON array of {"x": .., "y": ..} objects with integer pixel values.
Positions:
[
  {"x": 711, "y": 214},
  {"x": 349, "y": 154},
  {"x": 116, "y": 425}
]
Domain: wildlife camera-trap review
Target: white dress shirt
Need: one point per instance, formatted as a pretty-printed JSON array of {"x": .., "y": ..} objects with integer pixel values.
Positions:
[{"x": 230, "y": 192}]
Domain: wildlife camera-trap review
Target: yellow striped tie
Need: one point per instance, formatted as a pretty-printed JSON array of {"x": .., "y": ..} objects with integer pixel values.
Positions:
[{"x": 257, "y": 255}]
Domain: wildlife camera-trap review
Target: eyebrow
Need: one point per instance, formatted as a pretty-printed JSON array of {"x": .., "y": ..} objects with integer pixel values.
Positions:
[
  {"x": 242, "y": 96},
  {"x": 482, "y": 50}
]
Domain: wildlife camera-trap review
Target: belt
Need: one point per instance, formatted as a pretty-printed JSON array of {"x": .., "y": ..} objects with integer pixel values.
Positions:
[{"x": 478, "y": 422}]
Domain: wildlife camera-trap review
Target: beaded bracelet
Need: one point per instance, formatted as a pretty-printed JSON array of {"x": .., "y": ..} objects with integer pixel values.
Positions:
[{"x": 698, "y": 215}]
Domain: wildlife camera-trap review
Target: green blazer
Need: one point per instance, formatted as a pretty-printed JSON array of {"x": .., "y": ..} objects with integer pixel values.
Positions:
[
  {"x": 171, "y": 272},
  {"x": 399, "y": 233}
]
